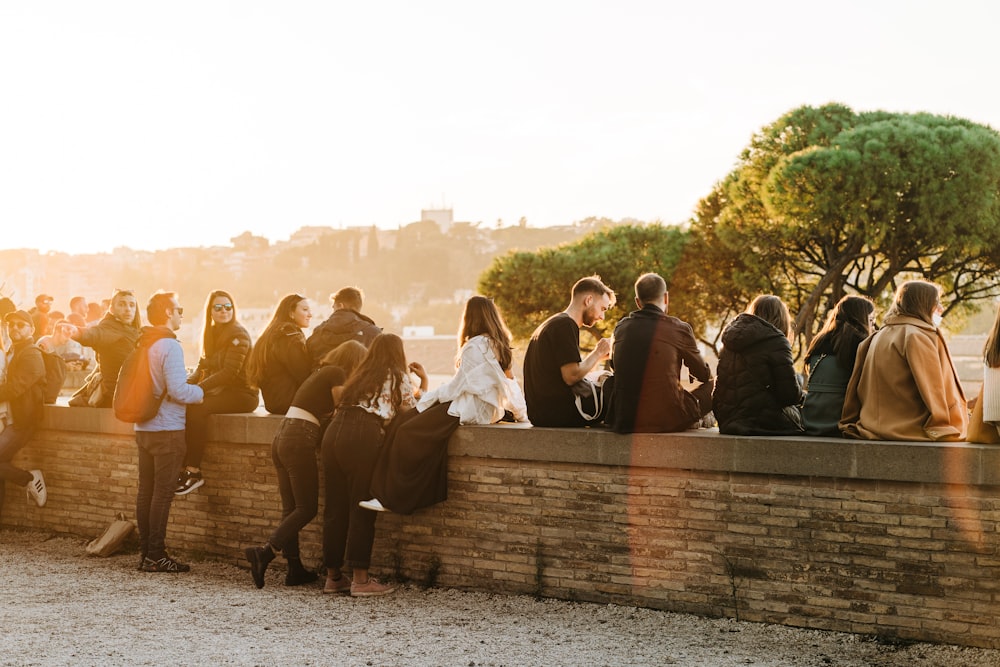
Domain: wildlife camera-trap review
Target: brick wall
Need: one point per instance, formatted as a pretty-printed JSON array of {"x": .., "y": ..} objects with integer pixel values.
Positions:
[{"x": 894, "y": 539}]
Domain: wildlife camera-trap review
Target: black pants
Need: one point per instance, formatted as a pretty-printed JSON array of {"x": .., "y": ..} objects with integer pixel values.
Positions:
[
  {"x": 229, "y": 400},
  {"x": 293, "y": 452},
  {"x": 350, "y": 450},
  {"x": 412, "y": 470},
  {"x": 160, "y": 457}
]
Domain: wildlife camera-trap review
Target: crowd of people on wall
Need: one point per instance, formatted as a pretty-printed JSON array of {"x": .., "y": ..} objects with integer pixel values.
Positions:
[{"x": 353, "y": 406}]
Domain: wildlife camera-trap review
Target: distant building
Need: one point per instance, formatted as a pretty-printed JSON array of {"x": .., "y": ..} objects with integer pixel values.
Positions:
[
  {"x": 418, "y": 332},
  {"x": 444, "y": 217}
]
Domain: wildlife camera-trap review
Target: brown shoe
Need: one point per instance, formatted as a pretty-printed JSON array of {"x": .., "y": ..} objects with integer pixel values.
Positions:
[
  {"x": 340, "y": 586},
  {"x": 370, "y": 588}
]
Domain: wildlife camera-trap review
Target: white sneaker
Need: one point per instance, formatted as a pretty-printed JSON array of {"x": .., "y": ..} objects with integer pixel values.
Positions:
[
  {"x": 36, "y": 488},
  {"x": 373, "y": 505}
]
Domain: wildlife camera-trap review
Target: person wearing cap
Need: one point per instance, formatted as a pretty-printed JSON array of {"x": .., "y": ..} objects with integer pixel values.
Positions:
[
  {"x": 23, "y": 389},
  {"x": 40, "y": 315}
]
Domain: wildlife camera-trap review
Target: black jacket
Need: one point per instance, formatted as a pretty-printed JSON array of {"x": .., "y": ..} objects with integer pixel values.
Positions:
[
  {"x": 343, "y": 325},
  {"x": 225, "y": 362},
  {"x": 25, "y": 385},
  {"x": 648, "y": 351},
  {"x": 755, "y": 379},
  {"x": 285, "y": 368},
  {"x": 112, "y": 341}
]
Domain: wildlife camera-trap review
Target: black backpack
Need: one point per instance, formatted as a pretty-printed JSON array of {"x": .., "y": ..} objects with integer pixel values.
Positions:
[
  {"x": 55, "y": 375},
  {"x": 135, "y": 401}
]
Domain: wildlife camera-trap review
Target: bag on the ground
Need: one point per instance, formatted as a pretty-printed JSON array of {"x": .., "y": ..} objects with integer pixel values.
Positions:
[
  {"x": 112, "y": 538},
  {"x": 135, "y": 400},
  {"x": 55, "y": 375}
]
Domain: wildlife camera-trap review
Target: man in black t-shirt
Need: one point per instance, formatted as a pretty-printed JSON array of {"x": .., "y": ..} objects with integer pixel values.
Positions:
[{"x": 552, "y": 363}]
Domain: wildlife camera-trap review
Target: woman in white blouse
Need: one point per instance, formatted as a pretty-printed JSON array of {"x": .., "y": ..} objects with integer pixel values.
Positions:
[{"x": 412, "y": 470}]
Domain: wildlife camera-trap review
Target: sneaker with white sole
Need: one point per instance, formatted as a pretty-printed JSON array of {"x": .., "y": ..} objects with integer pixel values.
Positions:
[
  {"x": 373, "y": 505},
  {"x": 370, "y": 588},
  {"x": 36, "y": 488},
  {"x": 188, "y": 482},
  {"x": 165, "y": 564}
]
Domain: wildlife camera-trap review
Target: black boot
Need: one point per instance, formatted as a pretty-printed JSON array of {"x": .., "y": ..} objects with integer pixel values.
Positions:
[
  {"x": 298, "y": 574},
  {"x": 259, "y": 558}
]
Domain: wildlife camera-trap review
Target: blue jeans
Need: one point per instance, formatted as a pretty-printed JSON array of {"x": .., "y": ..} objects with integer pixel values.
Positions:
[
  {"x": 294, "y": 454},
  {"x": 13, "y": 440},
  {"x": 161, "y": 454}
]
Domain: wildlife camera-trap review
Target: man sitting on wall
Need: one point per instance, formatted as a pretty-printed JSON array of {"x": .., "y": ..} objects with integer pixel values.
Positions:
[
  {"x": 648, "y": 351},
  {"x": 23, "y": 389},
  {"x": 346, "y": 323},
  {"x": 552, "y": 363}
]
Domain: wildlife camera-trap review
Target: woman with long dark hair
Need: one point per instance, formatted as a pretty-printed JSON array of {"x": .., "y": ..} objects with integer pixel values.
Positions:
[
  {"x": 904, "y": 385},
  {"x": 412, "y": 471},
  {"x": 112, "y": 339},
  {"x": 222, "y": 375},
  {"x": 757, "y": 391},
  {"x": 379, "y": 390},
  {"x": 294, "y": 455},
  {"x": 985, "y": 418},
  {"x": 830, "y": 362},
  {"x": 280, "y": 363}
]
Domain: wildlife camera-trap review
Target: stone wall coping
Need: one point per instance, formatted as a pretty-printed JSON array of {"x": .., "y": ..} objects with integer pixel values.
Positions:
[{"x": 705, "y": 449}]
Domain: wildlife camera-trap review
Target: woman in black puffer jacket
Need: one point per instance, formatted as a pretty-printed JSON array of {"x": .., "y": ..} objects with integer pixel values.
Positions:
[
  {"x": 222, "y": 374},
  {"x": 756, "y": 377}
]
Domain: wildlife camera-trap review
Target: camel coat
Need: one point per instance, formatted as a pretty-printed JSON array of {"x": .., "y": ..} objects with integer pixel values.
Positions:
[{"x": 904, "y": 386}]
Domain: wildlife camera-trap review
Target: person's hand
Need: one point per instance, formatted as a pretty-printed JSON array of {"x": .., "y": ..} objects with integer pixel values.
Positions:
[
  {"x": 603, "y": 348},
  {"x": 417, "y": 369}
]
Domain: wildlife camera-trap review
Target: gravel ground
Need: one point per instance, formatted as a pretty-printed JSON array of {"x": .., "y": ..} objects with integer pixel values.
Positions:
[{"x": 60, "y": 607}]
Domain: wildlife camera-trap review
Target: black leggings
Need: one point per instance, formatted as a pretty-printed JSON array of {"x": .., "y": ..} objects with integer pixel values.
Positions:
[
  {"x": 230, "y": 400},
  {"x": 350, "y": 450}
]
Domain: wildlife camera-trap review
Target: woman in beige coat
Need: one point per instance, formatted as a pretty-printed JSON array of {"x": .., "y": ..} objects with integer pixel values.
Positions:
[{"x": 904, "y": 385}]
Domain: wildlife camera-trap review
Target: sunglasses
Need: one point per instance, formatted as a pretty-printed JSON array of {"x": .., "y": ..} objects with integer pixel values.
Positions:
[
  {"x": 17, "y": 324},
  {"x": 219, "y": 307}
]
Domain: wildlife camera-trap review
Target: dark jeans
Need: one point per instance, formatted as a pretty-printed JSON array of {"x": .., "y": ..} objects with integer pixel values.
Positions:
[
  {"x": 161, "y": 454},
  {"x": 228, "y": 401},
  {"x": 350, "y": 450},
  {"x": 13, "y": 440},
  {"x": 294, "y": 454}
]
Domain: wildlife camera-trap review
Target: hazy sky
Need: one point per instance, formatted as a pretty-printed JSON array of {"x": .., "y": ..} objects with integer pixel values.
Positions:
[{"x": 186, "y": 123}]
